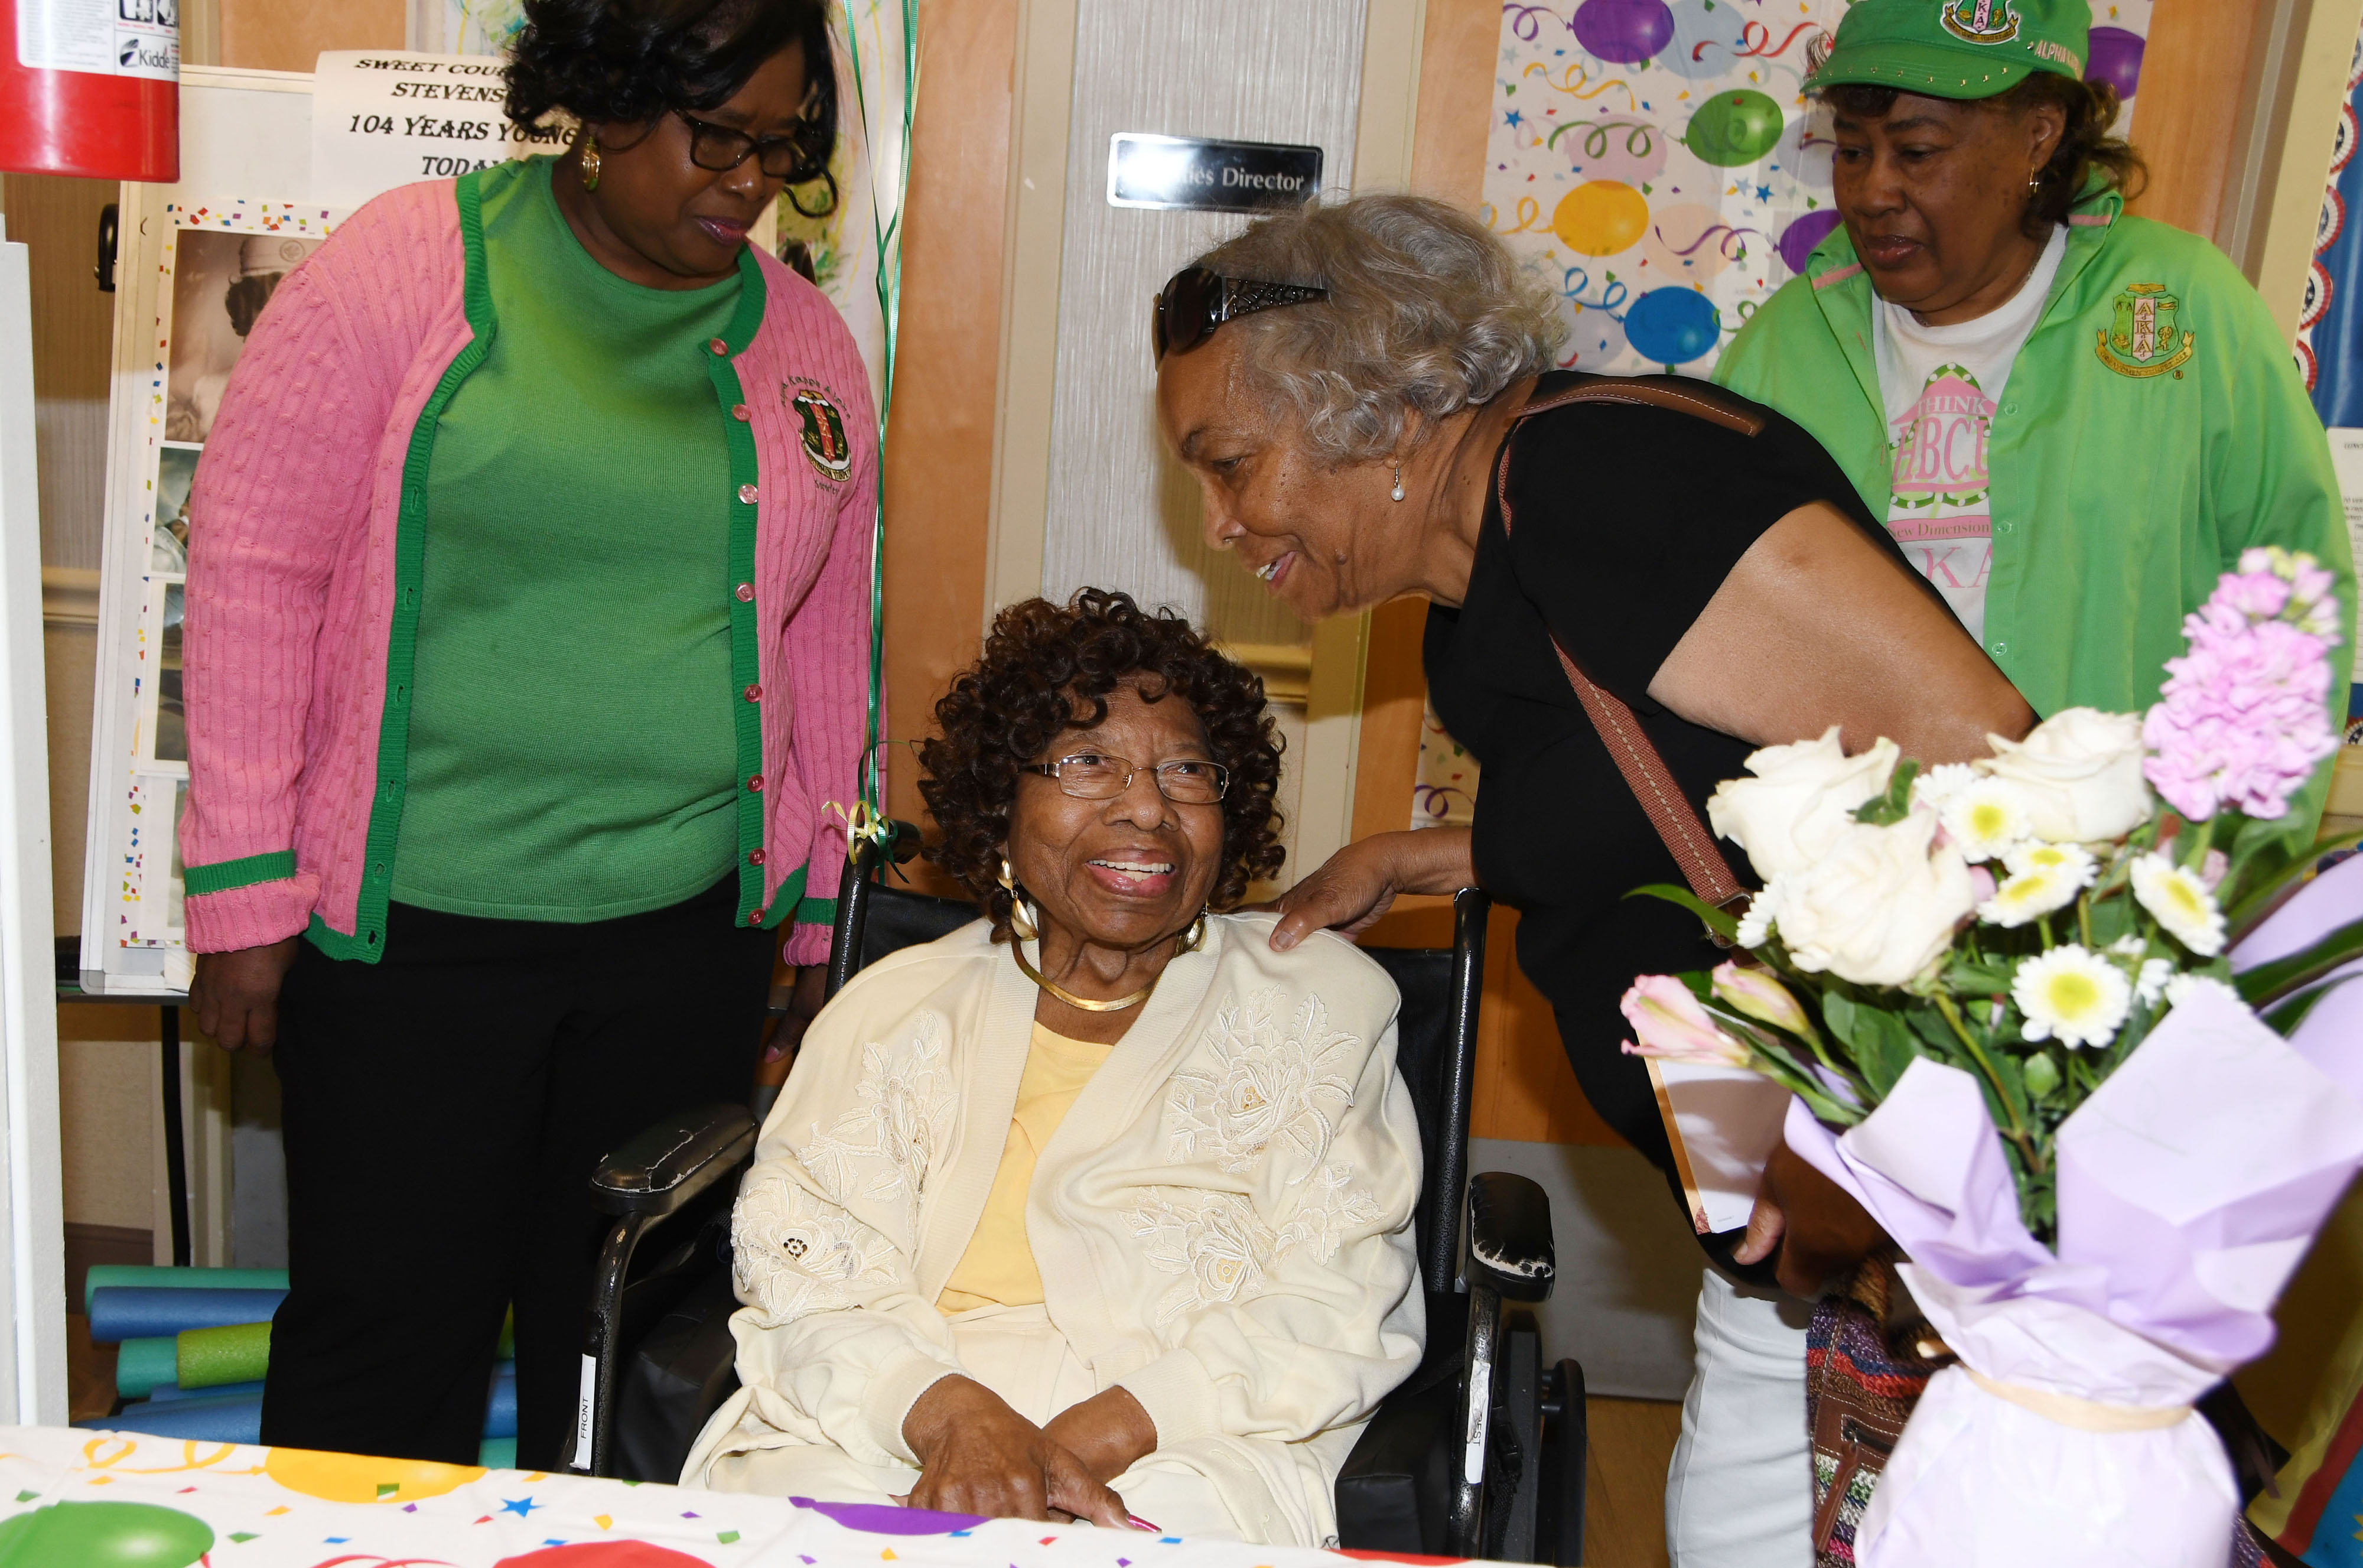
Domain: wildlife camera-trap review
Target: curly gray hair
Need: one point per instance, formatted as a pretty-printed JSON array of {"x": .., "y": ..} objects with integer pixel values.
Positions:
[{"x": 1426, "y": 312}]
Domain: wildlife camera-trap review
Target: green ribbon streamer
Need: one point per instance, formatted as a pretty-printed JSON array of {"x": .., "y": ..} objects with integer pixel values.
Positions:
[{"x": 886, "y": 233}]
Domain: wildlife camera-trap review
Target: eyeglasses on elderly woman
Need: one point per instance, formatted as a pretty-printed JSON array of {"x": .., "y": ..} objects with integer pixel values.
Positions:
[{"x": 1095, "y": 776}]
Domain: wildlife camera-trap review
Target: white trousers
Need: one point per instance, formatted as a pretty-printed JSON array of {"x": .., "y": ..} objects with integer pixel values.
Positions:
[{"x": 1739, "y": 1493}]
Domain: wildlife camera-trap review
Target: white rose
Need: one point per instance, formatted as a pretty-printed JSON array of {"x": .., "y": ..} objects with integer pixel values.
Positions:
[
  {"x": 2080, "y": 772},
  {"x": 1878, "y": 906},
  {"x": 1802, "y": 798}
]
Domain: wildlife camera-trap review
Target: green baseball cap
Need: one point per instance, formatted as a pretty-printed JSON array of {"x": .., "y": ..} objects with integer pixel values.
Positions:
[{"x": 1957, "y": 48}]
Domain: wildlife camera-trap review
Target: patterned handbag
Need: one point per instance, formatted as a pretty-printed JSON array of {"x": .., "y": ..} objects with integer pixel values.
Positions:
[{"x": 1869, "y": 1355}]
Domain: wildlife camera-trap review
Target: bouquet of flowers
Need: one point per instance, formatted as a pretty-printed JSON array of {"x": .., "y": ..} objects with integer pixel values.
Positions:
[{"x": 2059, "y": 1021}]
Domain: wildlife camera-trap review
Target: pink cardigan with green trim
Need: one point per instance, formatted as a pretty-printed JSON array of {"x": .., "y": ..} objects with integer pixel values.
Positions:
[{"x": 291, "y": 577}]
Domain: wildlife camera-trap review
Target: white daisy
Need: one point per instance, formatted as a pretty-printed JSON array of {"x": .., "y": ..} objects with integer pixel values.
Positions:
[
  {"x": 2071, "y": 995},
  {"x": 1942, "y": 783},
  {"x": 2157, "y": 974},
  {"x": 2182, "y": 903},
  {"x": 1756, "y": 926},
  {"x": 1987, "y": 818},
  {"x": 2028, "y": 894},
  {"x": 2182, "y": 987},
  {"x": 2071, "y": 861}
]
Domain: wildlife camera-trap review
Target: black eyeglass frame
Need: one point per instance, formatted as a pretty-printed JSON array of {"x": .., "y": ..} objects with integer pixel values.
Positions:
[
  {"x": 803, "y": 168},
  {"x": 1195, "y": 300},
  {"x": 1132, "y": 771}
]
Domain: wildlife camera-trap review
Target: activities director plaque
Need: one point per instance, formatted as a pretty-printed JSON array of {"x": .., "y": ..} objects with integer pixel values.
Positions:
[{"x": 1199, "y": 175}]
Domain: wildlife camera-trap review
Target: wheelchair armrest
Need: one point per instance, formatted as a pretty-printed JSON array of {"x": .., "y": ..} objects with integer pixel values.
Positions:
[
  {"x": 666, "y": 1166},
  {"x": 1510, "y": 1237},
  {"x": 1395, "y": 1491}
]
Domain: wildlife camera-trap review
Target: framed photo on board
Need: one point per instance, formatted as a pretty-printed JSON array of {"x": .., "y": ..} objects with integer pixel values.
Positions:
[
  {"x": 198, "y": 262},
  {"x": 215, "y": 266}
]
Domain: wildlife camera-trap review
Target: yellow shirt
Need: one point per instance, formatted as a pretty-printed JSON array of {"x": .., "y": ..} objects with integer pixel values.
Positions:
[{"x": 998, "y": 1267}]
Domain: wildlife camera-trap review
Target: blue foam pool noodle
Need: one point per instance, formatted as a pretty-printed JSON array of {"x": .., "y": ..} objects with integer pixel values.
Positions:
[
  {"x": 139, "y": 1312},
  {"x": 237, "y": 1420}
]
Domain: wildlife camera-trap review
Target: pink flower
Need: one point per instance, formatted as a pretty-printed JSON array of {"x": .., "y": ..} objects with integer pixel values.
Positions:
[
  {"x": 1755, "y": 992},
  {"x": 1674, "y": 1028},
  {"x": 2256, "y": 594},
  {"x": 2245, "y": 715}
]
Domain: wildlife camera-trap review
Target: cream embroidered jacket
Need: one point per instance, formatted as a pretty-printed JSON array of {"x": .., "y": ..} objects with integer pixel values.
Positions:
[{"x": 1223, "y": 1221}]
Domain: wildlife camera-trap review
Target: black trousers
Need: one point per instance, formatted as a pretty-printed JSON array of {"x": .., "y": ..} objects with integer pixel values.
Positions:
[{"x": 443, "y": 1109}]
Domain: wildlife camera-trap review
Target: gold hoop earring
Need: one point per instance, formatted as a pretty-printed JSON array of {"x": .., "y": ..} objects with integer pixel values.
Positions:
[
  {"x": 1398, "y": 491},
  {"x": 1196, "y": 936},
  {"x": 589, "y": 161},
  {"x": 2034, "y": 183},
  {"x": 1021, "y": 922}
]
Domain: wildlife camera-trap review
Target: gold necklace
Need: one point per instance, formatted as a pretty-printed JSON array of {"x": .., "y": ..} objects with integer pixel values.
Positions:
[{"x": 1189, "y": 941}]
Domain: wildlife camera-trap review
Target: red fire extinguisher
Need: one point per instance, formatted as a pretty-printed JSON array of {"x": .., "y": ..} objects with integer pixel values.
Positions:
[{"x": 91, "y": 88}]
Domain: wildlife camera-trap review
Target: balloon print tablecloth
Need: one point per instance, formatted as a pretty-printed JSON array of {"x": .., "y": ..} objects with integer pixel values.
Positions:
[
  {"x": 82, "y": 1499},
  {"x": 1658, "y": 162}
]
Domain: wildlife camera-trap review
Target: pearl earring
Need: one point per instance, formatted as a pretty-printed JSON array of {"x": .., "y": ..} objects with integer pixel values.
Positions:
[{"x": 1397, "y": 491}]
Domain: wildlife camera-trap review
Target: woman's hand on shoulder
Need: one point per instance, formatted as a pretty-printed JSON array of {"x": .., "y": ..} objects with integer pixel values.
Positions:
[
  {"x": 977, "y": 1456},
  {"x": 1359, "y": 883}
]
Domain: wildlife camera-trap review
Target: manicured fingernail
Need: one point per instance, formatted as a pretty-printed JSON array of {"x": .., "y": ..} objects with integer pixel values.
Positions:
[{"x": 1139, "y": 1523}]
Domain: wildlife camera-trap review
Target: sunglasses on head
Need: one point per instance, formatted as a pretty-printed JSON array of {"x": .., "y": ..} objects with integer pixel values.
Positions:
[{"x": 1196, "y": 301}]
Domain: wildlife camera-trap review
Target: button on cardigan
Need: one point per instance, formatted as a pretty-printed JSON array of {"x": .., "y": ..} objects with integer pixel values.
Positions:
[{"x": 303, "y": 585}]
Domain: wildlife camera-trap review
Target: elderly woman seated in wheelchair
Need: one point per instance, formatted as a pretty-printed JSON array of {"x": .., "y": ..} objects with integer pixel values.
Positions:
[{"x": 1098, "y": 1208}]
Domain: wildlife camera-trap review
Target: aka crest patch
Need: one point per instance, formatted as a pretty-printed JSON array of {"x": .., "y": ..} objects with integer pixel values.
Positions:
[{"x": 823, "y": 433}]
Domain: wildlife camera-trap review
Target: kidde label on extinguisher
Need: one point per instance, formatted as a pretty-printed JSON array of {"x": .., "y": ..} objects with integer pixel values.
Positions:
[{"x": 104, "y": 38}]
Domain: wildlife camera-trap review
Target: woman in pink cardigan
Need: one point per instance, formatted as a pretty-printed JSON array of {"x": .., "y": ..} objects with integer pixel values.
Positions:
[{"x": 528, "y": 622}]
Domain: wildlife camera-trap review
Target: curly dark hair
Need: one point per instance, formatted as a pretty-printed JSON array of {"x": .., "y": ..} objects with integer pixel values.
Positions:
[
  {"x": 2087, "y": 108},
  {"x": 1050, "y": 667},
  {"x": 631, "y": 60}
]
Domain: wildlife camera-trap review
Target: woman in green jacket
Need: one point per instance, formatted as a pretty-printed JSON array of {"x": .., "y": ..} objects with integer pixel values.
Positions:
[{"x": 2072, "y": 419}]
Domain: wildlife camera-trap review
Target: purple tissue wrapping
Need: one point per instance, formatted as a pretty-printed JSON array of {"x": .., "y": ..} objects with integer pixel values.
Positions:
[{"x": 2190, "y": 1186}]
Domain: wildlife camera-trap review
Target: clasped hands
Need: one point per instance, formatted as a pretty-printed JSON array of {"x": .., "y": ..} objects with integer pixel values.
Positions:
[{"x": 977, "y": 1456}]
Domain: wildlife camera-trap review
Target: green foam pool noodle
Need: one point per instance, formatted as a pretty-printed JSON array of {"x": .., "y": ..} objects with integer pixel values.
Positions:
[
  {"x": 497, "y": 1453},
  {"x": 142, "y": 1364},
  {"x": 158, "y": 1276},
  {"x": 205, "y": 1357}
]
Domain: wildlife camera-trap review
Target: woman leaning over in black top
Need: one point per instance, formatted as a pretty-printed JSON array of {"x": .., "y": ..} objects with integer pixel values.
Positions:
[{"x": 1347, "y": 432}]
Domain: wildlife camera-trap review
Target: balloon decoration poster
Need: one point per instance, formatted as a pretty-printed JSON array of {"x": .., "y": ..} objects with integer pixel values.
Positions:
[{"x": 1660, "y": 165}]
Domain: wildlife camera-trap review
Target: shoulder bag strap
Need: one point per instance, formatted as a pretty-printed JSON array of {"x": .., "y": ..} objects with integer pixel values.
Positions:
[{"x": 1652, "y": 782}]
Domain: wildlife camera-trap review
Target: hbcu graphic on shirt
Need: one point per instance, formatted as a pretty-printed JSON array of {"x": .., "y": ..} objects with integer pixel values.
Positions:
[{"x": 1939, "y": 513}]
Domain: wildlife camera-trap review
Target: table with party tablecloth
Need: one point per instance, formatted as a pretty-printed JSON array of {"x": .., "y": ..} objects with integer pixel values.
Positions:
[{"x": 72, "y": 1498}]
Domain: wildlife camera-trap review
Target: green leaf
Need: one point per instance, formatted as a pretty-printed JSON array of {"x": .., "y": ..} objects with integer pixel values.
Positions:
[
  {"x": 2250, "y": 904},
  {"x": 1887, "y": 809},
  {"x": 2269, "y": 983},
  {"x": 2284, "y": 1019},
  {"x": 2042, "y": 1075},
  {"x": 1936, "y": 1035},
  {"x": 1968, "y": 979},
  {"x": 2112, "y": 918},
  {"x": 2012, "y": 1069},
  {"x": 1879, "y": 1041},
  {"x": 1721, "y": 923}
]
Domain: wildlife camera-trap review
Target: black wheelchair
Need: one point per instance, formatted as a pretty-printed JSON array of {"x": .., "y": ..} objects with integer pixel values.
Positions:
[{"x": 1481, "y": 1453}]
